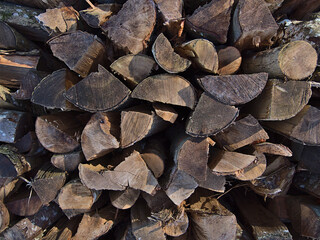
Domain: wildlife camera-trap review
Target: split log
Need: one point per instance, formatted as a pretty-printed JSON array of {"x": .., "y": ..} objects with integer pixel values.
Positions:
[
  {"x": 273, "y": 149},
  {"x": 60, "y": 132},
  {"x": 142, "y": 226},
  {"x": 234, "y": 89},
  {"x": 32, "y": 227},
  {"x": 171, "y": 13},
  {"x": 96, "y": 16},
  {"x": 14, "y": 67},
  {"x": 200, "y": 126},
  {"x": 8, "y": 189},
  {"x": 213, "y": 182},
  {"x": 166, "y": 58},
  {"x": 284, "y": 61},
  {"x": 307, "y": 182},
  {"x": 274, "y": 5},
  {"x": 280, "y": 100},
  {"x": 99, "y": 91},
  {"x": 59, "y": 20},
  {"x": 4, "y": 217},
  {"x": 297, "y": 9},
  {"x": 211, "y": 220},
  {"x": 276, "y": 179},
  {"x": 229, "y": 60},
  {"x": 28, "y": 83},
  {"x": 48, "y": 182},
  {"x": 262, "y": 223},
  {"x": 124, "y": 199},
  {"x": 131, "y": 28},
  {"x": 47, "y": 4},
  {"x": 166, "y": 112},
  {"x": 252, "y": 25},
  {"x": 100, "y": 135},
  {"x": 99, "y": 222},
  {"x": 134, "y": 68},
  {"x": 137, "y": 123},
  {"x": 243, "y": 132},
  {"x": 75, "y": 198},
  {"x": 83, "y": 52},
  {"x": 279, "y": 207},
  {"x": 14, "y": 125},
  {"x": 303, "y": 128},
  {"x": 67, "y": 161},
  {"x": 202, "y": 53},
  {"x": 211, "y": 21},
  {"x": 159, "y": 201},
  {"x": 166, "y": 88},
  {"x": 50, "y": 91},
  {"x": 307, "y": 157},
  {"x": 63, "y": 229},
  {"x": 30, "y": 145}
]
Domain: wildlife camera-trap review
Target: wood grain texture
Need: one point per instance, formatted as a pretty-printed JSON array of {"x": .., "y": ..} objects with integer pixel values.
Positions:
[
  {"x": 229, "y": 60},
  {"x": 166, "y": 112},
  {"x": 213, "y": 182},
  {"x": 4, "y": 217},
  {"x": 272, "y": 148},
  {"x": 67, "y": 161},
  {"x": 124, "y": 199}
]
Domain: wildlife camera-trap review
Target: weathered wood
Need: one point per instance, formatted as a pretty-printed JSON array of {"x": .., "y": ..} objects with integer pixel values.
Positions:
[
  {"x": 279, "y": 207},
  {"x": 124, "y": 199},
  {"x": 176, "y": 221},
  {"x": 63, "y": 229},
  {"x": 83, "y": 52},
  {"x": 202, "y": 53},
  {"x": 4, "y": 217},
  {"x": 14, "y": 125},
  {"x": 31, "y": 227},
  {"x": 50, "y": 91},
  {"x": 262, "y": 223},
  {"x": 14, "y": 67},
  {"x": 166, "y": 112},
  {"x": 157, "y": 202},
  {"x": 243, "y": 132},
  {"x": 47, "y": 4},
  {"x": 59, "y": 20},
  {"x": 211, "y": 21},
  {"x": 234, "y": 89},
  {"x": 10, "y": 188},
  {"x": 137, "y": 123},
  {"x": 165, "y": 56},
  {"x": 303, "y": 128},
  {"x": 67, "y": 161},
  {"x": 30, "y": 145},
  {"x": 60, "y": 132},
  {"x": 272, "y": 148},
  {"x": 100, "y": 135},
  {"x": 99, "y": 91},
  {"x": 252, "y": 25},
  {"x": 284, "y": 61},
  {"x": 273, "y": 5},
  {"x": 306, "y": 156},
  {"x": 229, "y": 60},
  {"x": 276, "y": 179},
  {"x": 280, "y": 100},
  {"x": 75, "y": 198},
  {"x": 213, "y": 182},
  {"x": 166, "y": 88},
  {"x": 307, "y": 182},
  {"x": 134, "y": 68},
  {"x": 205, "y": 122},
  {"x": 297, "y": 9},
  {"x": 131, "y": 28}
]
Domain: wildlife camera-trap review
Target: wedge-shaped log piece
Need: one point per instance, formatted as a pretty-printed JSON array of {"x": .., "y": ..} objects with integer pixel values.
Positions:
[
  {"x": 229, "y": 163},
  {"x": 211, "y": 21},
  {"x": 211, "y": 220},
  {"x": 10, "y": 188},
  {"x": 166, "y": 88},
  {"x": 252, "y": 25},
  {"x": 50, "y": 91},
  {"x": 234, "y": 89},
  {"x": 159, "y": 201},
  {"x": 177, "y": 223},
  {"x": 100, "y": 91},
  {"x": 295, "y": 60},
  {"x": 75, "y": 198},
  {"x": 303, "y": 128},
  {"x": 280, "y": 100},
  {"x": 276, "y": 179},
  {"x": 273, "y": 5},
  {"x": 134, "y": 68},
  {"x": 60, "y": 132},
  {"x": 83, "y": 52},
  {"x": 138, "y": 123},
  {"x": 67, "y": 161},
  {"x": 202, "y": 53},
  {"x": 62, "y": 229},
  {"x": 229, "y": 60},
  {"x": 13, "y": 125},
  {"x": 124, "y": 199},
  {"x": 100, "y": 135},
  {"x": 166, "y": 112},
  {"x": 306, "y": 156},
  {"x": 210, "y": 117},
  {"x": 4, "y": 216},
  {"x": 131, "y": 28},
  {"x": 213, "y": 182},
  {"x": 165, "y": 56},
  {"x": 142, "y": 226},
  {"x": 308, "y": 182},
  {"x": 243, "y": 132},
  {"x": 48, "y": 182},
  {"x": 262, "y": 223},
  {"x": 59, "y": 20},
  {"x": 273, "y": 149}
]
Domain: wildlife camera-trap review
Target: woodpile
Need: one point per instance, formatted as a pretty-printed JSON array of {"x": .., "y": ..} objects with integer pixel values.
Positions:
[{"x": 159, "y": 119}]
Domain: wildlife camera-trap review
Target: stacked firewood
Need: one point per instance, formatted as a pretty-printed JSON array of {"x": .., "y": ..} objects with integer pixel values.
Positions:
[{"x": 159, "y": 119}]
